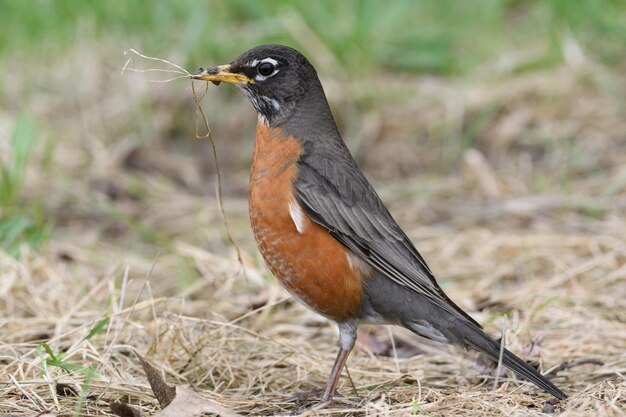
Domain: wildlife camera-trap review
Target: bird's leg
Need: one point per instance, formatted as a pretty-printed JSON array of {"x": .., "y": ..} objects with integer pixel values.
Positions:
[
  {"x": 347, "y": 338},
  {"x": 329, "y": 391}
]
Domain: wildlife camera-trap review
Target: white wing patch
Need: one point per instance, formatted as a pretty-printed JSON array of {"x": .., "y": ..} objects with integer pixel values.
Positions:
[
  {"x": 353, "y": 261},
  {"x": 298, "y": 216}
]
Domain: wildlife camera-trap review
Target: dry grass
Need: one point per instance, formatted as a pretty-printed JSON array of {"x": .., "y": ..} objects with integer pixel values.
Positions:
[{"x": 527, "y": 232}]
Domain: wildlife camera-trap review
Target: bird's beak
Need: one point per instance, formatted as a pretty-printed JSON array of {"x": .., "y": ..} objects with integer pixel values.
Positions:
[{"x": 222, "y": 73}]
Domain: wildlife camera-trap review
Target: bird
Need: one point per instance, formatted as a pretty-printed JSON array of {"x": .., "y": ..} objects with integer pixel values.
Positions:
[{"x": 322, "y": 229}]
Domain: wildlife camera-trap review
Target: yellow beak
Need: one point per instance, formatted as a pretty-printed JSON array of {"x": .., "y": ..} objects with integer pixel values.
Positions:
[{"x": 221, "y": 73}]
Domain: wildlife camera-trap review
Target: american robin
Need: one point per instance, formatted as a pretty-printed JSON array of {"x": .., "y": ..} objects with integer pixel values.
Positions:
[{"x": 321, "y": 227}]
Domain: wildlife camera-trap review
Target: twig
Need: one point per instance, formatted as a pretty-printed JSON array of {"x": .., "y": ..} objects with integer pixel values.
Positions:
[
  {"x": 500, "y": 358},
  {"x": 573, "y": 363}
]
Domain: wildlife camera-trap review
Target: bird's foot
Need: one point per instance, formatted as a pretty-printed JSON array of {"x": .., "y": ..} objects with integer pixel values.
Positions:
[{"x": 314, "y": 394}]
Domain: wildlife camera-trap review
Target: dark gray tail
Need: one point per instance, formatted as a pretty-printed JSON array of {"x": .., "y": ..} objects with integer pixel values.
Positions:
[
  {"x": 441, "y": 320},
  {"x": 477, "y": 339}
]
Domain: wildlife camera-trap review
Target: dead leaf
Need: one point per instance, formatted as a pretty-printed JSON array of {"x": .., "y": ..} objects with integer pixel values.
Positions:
[
  {"x": 189, "y": 403},
  {"x": 174, "y": 401},
  {"x": 162, "y": 392}
]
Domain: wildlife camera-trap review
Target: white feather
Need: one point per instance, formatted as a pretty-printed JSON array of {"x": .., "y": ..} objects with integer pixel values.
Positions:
[
  {"x": 297, "y": 215},
  {"x": 262, "y": 119}
]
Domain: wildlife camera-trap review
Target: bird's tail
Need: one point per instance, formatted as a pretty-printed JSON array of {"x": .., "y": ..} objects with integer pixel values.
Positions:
[{"x": 477, "y": 339}]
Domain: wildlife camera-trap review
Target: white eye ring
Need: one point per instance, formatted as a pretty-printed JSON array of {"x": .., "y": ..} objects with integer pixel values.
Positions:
[{"x": 267, "y": 62}]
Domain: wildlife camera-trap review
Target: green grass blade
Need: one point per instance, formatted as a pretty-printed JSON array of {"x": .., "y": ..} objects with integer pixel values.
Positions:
[
  {"x": 47, "y": 348},
  {"x": 97, "y": 328}
]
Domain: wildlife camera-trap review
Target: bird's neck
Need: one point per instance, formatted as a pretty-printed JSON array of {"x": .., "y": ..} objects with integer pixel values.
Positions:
[{"x": 311, "y": 119}]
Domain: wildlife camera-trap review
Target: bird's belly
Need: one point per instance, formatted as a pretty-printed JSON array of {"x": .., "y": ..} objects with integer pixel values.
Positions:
[
  {"x": 314, "y": 268},
  {"x": 306, "y": 259}
]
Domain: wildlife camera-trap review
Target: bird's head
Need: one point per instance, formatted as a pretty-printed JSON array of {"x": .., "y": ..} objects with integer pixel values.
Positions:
[{"x": 274, "y": 77}]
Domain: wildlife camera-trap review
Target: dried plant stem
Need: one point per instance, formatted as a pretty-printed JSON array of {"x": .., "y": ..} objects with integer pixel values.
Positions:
[
  {"x": 499, "y": 368},
  {"x": 200, "y": 118},
  {"x": 180, "y": 70},
  {"x": 218, "y": 174}
]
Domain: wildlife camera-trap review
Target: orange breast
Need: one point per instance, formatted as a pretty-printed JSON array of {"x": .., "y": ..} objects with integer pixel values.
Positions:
[{"x": 309, "y": 262}]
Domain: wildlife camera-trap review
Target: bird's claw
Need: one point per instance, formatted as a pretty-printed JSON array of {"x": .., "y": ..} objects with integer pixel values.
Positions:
[{"x": 314, "y": 394}]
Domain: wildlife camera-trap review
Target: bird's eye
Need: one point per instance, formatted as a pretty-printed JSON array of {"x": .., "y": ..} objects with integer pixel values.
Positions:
[{"x": 265, "y": 69}]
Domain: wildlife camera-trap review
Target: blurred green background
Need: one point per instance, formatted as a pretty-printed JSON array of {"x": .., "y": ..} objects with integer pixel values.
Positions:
[
  {"x": 70, "y": 122},
  {"x": 442, "y": 37}
]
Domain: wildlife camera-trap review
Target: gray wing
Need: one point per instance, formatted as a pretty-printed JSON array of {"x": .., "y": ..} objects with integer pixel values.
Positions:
[{"x": 339, "y": 198}]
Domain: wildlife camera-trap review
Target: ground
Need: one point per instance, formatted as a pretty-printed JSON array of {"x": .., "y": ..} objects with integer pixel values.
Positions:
[{"x": 512, "y": 185}]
